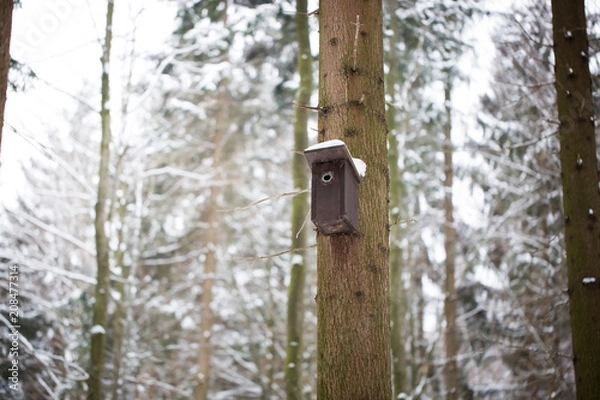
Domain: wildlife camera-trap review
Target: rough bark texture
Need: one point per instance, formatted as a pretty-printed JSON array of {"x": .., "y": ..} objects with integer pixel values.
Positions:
[
  {"x": 98, "y": 339},
  {"x": 353, "y": 307},
  {"x": 397, "y": 293},
  {"x": 6, "y": 9},
  {"x": 295, "y": 310},
  {"x": 581, "y": 197},
  {"x": 451, "y": 345}
]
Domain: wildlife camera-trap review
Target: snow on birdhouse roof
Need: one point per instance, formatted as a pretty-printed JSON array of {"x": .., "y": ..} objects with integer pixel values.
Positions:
[
  {"x": 334, "y": 150},
  {"x": 325, "y": 145},
  {"x": 360, "y": 166}
]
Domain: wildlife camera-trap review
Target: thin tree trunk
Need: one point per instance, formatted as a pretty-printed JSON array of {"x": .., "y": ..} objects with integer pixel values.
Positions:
[
  {"x": 579, "y": 166},
  {"x": 211, "y": 241},
  {"x": 6, "y": 9},
  {"x": 398, "y": 295},
  {"x": 295, "y": 311},
  {"x": 210, "y": 262},
  {"x": 420, "y": 365},
  {"x": 208, "y": 278},
  {"x": 451, "y": 372},
  {"x": 98, "y": 335},
  {"x": 353, "y": 307},
  {"x": 120, "y": 286}
]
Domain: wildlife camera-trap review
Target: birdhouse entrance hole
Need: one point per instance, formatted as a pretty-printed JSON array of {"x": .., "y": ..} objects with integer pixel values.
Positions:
[{"x": 327, "y": 177}]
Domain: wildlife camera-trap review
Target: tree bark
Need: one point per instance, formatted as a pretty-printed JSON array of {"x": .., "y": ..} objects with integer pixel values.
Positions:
[
  {"x": 98, "y": 336},
  {"x": 579, "y": 166},
  {"x": 6, "y": 9},
  {"x": 451, "y": 373},
  {"x": 295, "y": 310},
  {"x": 353, "y": 306}
]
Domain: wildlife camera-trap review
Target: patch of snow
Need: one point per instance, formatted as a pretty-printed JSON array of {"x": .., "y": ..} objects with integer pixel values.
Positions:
[
  {"x": 360, "y": 166},
  {"x": 297, "y": 259},
  {"x": 98, "y": 329},
  {"x": 326, "y": 144},
  {"x": 588, "y": 280},
  {"x": 188, "y": 323}
]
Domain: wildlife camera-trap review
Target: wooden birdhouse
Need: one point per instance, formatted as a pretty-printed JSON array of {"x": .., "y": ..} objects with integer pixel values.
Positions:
[{"x": 334, "y": 194}]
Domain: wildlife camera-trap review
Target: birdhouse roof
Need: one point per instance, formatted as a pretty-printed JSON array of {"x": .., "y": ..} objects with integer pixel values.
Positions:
[{"x": 333, "y": 150}]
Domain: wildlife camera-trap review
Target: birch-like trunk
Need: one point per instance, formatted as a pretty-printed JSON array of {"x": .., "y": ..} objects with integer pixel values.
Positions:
[
  {"x": 295, "y": 310},
  {"x": 581, "y": 197},
  {"x": 98, "y": 334},
  {"x": 353, "y": 305}
]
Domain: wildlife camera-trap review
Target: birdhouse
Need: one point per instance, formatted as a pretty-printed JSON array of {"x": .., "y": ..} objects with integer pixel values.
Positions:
[{"x": 334, "y": 194}]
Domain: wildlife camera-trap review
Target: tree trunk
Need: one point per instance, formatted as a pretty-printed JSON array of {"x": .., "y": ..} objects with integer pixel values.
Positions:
[
  {"x": 210, "y": 264},
  {"x": 6, "y": 9},
  {"x": 120, "y": 288},
  {"x": 210, "y": 241},
  {"x": 398, "y": 295},
  {"x": 579, "y": 166},
  {"x": 295, "y": 311},
  {"x": 353, "y": 307},
  {"x": 98, "y": 335},
  {"x": 451, "y": 373}
]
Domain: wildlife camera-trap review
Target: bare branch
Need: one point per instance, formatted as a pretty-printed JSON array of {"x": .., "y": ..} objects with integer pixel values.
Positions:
[
  {"x": 306, "y": 107},
  {"x": 55, "y": 231},
  {"x": 266, "y": 199},
  {"x": 281, "y": 253}
]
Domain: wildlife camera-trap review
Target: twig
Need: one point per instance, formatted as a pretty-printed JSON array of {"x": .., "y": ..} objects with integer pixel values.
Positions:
[
  {"x": 404, "y": 221},
  {"x": 306, "y": 107},
  {"x": 396, "y": 106},
  {"x": 281, "y": 253},
  {"x": 303, "y": 224},
  {"x": 530, "y": 142},
  {"x": 265, "y": 199},
  {"x": 355, "y": 50}
]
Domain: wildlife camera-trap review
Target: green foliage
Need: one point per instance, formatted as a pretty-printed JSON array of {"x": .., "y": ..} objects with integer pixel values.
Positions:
[{"x": 21, "y": 76}]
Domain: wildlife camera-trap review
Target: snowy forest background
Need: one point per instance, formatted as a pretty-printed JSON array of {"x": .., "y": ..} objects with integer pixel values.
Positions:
[{"x": 179, "y": 72}]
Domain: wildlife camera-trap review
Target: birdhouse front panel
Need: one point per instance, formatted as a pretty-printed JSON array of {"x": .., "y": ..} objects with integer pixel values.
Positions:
[
  {"x": 334, "y": 207},
  {"x": 335, "y": 180}
]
